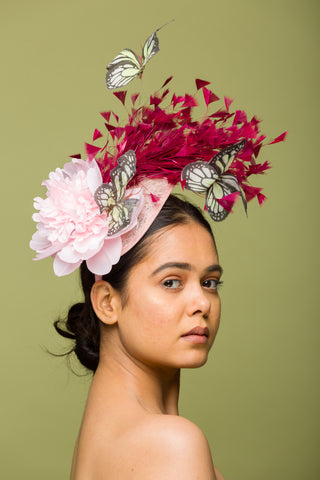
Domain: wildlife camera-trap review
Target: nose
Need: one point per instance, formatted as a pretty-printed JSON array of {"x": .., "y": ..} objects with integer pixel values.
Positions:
[{"x": 199, "y": 303}]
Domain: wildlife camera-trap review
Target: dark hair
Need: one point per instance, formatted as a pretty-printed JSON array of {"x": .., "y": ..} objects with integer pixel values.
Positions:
[{"x": 82, "y": 325}]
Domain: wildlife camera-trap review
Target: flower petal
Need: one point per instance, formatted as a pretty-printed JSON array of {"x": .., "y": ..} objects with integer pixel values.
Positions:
[
  {"x": 39, "y": 242},
  {"x": 109, "y": 255},
  {"x": 69, "y": 255},
  {"x": 62, "y": 268},
  {"x": 94, "y": 177}
]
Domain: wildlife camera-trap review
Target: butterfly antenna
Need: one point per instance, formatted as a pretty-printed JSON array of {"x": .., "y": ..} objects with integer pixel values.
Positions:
[{"x": 170, "y": 21}]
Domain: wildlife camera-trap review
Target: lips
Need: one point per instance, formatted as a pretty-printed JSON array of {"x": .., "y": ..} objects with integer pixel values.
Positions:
[{"x": 201, "y": 331}]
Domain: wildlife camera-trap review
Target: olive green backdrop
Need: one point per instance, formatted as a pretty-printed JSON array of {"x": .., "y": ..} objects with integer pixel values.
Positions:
[{"x": 257, "y": 399}]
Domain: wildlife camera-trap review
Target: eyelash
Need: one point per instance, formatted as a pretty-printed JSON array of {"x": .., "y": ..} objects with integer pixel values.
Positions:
[
  {"x": 171, "y": 280},
  {"x": 218, "y": 283}
]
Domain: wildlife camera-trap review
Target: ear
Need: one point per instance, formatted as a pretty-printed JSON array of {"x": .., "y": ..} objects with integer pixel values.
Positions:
[{"x": 106, "y": 302}]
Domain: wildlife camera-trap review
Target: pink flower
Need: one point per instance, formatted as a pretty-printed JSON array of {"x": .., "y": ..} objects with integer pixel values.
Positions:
[{"x": 70, "y": 226}]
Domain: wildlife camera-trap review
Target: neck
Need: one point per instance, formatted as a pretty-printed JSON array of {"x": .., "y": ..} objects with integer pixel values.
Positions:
[{"x": 154, "y": 389}]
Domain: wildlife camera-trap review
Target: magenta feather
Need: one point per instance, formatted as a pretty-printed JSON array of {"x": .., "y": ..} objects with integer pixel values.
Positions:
[{"x": 166, "y": 137}]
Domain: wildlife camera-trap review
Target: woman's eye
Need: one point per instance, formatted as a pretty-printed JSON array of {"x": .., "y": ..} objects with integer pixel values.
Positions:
[
  {"x": 172, "y": 283},
  {"x": 212, "y": 284}
]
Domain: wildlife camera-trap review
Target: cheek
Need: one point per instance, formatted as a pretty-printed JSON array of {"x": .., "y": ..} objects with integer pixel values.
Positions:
[
  {"x": 154, "y": 313},
  {"x": 215, "y": 318},
  {"x": 148, "y": 326}
]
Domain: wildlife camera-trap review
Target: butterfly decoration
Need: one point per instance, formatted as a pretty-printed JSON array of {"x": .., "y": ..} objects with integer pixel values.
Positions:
[
  {"x": 110, "y": 196},
  {"x": 210, "y": 177},
  {"x": 128, "y": 65}
]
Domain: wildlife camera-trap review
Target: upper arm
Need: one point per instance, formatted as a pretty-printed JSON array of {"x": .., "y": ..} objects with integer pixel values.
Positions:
[{"x": 176, "y": 448}]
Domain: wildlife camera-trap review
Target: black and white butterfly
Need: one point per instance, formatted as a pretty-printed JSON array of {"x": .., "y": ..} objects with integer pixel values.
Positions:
[
  {"x": 110, "y": 196},
  {"x": 128, "y": 65},
  {"x": 210, "y": 177}
]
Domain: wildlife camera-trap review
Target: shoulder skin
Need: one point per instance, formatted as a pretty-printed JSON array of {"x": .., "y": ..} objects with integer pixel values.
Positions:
[{"x": 165, "y": 447}]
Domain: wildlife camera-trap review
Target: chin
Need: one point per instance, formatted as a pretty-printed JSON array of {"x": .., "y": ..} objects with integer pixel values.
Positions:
[{"x": 194, "y": 361}]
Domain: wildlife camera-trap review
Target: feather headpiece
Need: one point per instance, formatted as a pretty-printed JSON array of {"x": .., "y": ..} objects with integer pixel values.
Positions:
[{"x": 97, "y": 209}]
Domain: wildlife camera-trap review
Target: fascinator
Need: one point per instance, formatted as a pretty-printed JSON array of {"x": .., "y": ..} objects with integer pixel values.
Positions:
[{"x": 97, "y": 209}]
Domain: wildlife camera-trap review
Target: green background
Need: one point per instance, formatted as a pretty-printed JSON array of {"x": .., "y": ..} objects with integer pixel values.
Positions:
[{"x": 257, "y": 399}]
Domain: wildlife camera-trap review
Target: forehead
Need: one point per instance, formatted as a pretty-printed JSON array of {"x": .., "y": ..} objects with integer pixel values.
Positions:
[{"x": 186, "y": 243}]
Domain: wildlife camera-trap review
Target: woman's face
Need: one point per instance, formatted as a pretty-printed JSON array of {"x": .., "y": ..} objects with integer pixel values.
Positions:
[{"x": 171, "y": 292}]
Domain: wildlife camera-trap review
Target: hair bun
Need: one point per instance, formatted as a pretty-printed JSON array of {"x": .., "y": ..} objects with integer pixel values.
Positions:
[{"x": 82, "y": 326}]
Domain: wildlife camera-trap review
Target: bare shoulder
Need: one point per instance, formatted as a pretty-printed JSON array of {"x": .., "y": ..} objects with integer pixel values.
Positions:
[
  {"x": 170, "y": 447},
  {"x": 176, "y": 430},
  {"x": 161, "y": 447}
]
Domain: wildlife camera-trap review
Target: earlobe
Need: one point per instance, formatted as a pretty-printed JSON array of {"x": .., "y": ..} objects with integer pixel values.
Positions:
[{"x": 105, "y": 302}]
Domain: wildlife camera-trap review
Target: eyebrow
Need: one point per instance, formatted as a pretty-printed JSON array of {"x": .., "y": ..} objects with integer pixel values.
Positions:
[{"x": 186, "y": 266}]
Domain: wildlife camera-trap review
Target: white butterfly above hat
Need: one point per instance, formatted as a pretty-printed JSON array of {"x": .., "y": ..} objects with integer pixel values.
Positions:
[{"x": 128, "y": 65}]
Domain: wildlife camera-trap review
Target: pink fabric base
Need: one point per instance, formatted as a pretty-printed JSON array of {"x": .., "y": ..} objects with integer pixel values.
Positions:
[{"x": 155, "y": 194}]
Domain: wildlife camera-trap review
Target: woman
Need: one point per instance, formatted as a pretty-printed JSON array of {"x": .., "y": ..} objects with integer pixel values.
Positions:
[
  {"x": 150, "y": 273},
  {"x": 159, "y": 311}
]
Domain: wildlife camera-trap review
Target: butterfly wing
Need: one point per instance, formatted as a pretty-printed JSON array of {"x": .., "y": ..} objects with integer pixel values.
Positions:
[
  {"x": 128, "y": 161},
  {"x": 123, "y": 68},
  {"x": 104, "y": 197},
  {"x": 151, "y": 45},
  {"x": 226, "y": 185},
  {"x": 122, "y": 173},
  {"x": 109, "y": 196},
  {"x": 199, "y": 176},
  {"x": 120, "y": 215},
  {"x": 150, "y": 48},
  {"x": 232, "y": 183},
  {"x": 222, "y": 160},
  {"x": 215, "y": 210}
]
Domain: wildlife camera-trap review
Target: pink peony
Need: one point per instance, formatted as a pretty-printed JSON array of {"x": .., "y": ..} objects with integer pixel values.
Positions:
[{"x": 70, "y": 226}]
